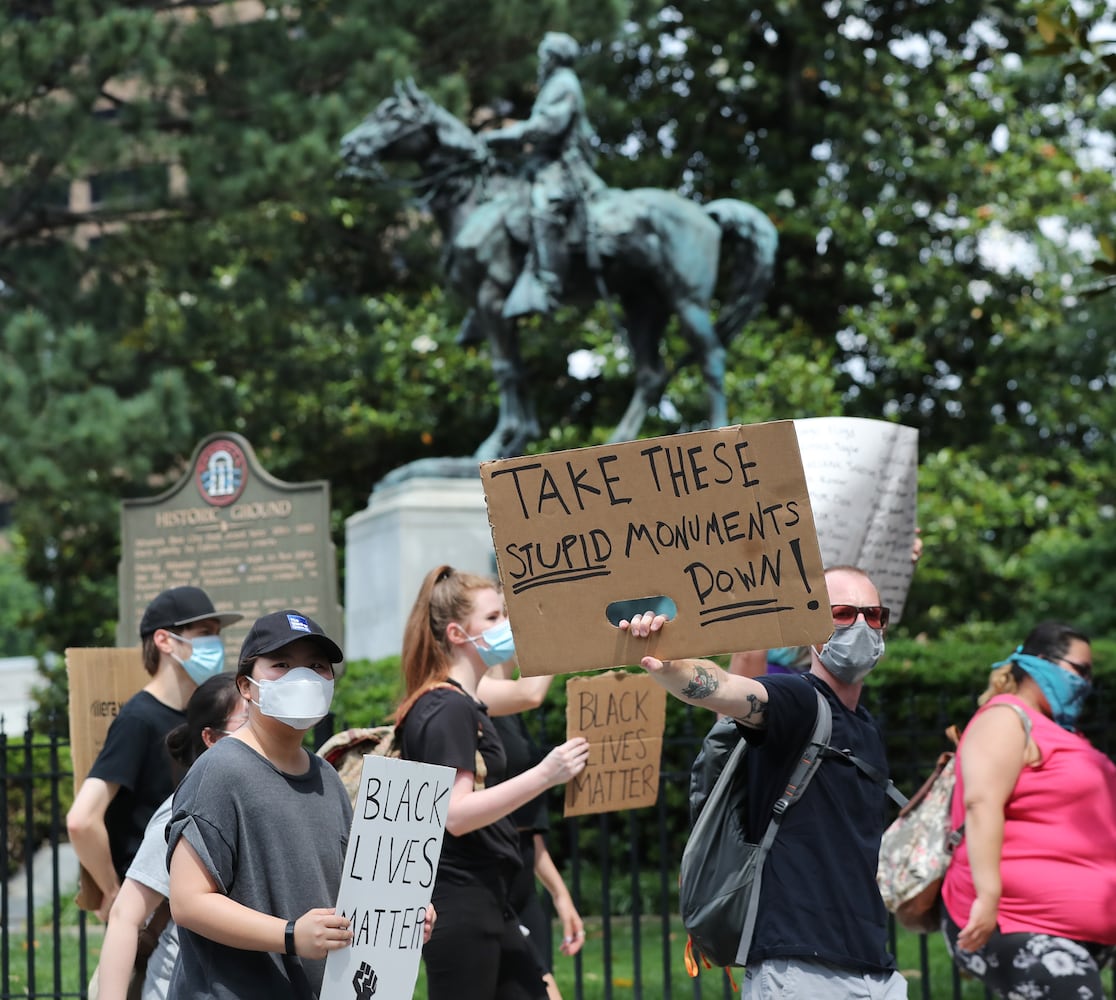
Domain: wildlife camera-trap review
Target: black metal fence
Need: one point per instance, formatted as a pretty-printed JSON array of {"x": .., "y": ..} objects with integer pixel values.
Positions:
[{"x": 48, "y": 948}]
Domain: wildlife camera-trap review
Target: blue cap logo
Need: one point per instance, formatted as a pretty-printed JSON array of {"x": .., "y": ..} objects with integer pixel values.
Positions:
[{"x": 297, "y": 623}]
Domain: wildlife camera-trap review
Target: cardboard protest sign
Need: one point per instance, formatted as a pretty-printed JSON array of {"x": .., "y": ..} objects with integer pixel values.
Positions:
[
  {"x": 717, "y": 522},
  {"x": 863, "y": 482},
  {"x": 399, "y": 818},
  {"x": 622, "y": 715},
  {"x": 101, "y": 679}
]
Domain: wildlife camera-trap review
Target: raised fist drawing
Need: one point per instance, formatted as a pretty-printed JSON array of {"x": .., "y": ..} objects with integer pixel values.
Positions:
[{"x": 364, "y": 982}]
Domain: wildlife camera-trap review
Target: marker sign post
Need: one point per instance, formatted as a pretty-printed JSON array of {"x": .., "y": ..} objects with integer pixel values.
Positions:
[
  {"x": 718, "y": 521},
  {"x": 399, "y": 818},
  {"x": 622, "y": 715}
]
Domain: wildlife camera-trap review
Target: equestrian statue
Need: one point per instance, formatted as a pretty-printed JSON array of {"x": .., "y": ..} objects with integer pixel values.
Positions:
[{"x": 523, "y": 241}]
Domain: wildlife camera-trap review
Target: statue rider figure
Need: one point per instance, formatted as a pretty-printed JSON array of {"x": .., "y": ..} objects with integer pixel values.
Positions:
[{"x": 562, "y": 177}]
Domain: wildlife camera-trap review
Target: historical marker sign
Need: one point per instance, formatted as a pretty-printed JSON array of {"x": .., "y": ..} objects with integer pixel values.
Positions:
[{"x": 253, "y": 542}]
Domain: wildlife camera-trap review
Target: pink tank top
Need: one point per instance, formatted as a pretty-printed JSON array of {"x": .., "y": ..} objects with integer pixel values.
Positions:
[{"x": 1058, "y": 866}]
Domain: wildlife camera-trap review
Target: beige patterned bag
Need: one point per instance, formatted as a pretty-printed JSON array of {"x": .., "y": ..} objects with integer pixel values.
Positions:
[{"x": 916, "y": 849}]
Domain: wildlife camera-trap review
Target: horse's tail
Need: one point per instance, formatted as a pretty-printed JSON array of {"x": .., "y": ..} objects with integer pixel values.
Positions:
[{"x": 749, "y": 240}]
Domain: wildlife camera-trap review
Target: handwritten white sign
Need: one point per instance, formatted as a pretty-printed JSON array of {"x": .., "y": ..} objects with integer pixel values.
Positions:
[
  {"x": 862, "y": 476},
  {"x": 399, "y": 818}
]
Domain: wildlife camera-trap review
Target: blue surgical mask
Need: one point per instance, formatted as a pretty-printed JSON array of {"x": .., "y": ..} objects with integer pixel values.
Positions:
[
  {"x": 499, "y": 644},
  {"x": 207, "y": 657},
  {"x": 1064, "y": 690}
]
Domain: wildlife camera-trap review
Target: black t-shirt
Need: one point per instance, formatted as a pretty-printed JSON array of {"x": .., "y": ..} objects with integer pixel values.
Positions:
[
  {"x": 135, "y": 757},
  {"x": 448, "y": 727},
  {"x": 522, "y": 754},
  {"x": 819, "y": 898}
]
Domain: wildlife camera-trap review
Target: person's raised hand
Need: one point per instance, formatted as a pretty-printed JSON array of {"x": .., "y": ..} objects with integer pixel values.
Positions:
[
  {"x": 566, "y": 760},
  {"x": 642, "y": 625}
]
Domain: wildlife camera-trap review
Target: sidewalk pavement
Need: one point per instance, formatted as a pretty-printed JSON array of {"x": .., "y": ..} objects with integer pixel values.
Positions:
[{"x": 42, "y": 884}]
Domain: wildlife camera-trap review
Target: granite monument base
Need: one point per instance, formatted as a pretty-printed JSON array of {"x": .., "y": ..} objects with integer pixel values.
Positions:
[{"x": 407, "y": 529}]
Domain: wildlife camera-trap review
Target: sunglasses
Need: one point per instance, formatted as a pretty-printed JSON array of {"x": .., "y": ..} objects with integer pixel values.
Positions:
[
  {"x": 845, "y": 615},
  {"x": 1082, "y": 669}
]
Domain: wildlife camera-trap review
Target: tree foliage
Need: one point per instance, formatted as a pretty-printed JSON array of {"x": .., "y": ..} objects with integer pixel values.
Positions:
[{"x": 929, "y": 176}]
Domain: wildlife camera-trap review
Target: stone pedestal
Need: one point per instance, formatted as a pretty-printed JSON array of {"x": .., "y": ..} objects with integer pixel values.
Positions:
[{"x": 407, "y": 529}]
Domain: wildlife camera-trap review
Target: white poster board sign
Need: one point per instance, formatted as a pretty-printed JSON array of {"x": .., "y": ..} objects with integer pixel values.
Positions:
[
  {"x": 399, "y": 818},
  {"x": 863, "y": 481}
]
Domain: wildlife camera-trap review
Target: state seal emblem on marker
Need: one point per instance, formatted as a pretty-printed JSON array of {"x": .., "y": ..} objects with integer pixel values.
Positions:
[{"x": 221, "y": 472}]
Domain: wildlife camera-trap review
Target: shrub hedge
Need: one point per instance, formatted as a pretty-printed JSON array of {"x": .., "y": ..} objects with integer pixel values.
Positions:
[{"x": 919, "y": 689}]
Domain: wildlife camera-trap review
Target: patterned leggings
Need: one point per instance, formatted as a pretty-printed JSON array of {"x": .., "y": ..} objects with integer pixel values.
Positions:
[{"x": 1024, "y": 966}]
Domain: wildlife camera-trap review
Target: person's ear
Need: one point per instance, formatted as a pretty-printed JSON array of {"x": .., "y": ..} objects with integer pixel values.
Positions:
[
  {"x": 209, "y": 736},
  {"x": 456, "y": 634}
]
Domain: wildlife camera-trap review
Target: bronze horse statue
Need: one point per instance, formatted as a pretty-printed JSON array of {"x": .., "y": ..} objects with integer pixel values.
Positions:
[{"x": 653, "y": 252}]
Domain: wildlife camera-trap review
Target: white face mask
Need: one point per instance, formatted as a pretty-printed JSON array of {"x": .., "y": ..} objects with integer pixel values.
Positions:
[{"x": 300, "y": 698}]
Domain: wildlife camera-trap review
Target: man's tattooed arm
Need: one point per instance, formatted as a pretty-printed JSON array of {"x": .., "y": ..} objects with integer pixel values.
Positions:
[
  {"x": 756, "y": 715},
  {"x": 702, "y": 685}
]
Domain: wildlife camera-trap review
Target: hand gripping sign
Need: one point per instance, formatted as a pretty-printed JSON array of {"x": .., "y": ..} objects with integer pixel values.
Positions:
[
  {"x": 399, "y": 818},
  {"x": 714, "y": 526}
]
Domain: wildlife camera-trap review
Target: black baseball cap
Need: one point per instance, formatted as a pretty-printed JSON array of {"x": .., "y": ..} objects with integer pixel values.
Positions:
[
  {"x": 281, "y": 628},
  {"x": 182, "y": 606}
]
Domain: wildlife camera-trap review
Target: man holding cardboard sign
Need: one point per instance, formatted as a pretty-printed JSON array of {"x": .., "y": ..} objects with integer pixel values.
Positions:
[
  {"x": 822, "y": 924},
  {"x": 132, "y": 774}
]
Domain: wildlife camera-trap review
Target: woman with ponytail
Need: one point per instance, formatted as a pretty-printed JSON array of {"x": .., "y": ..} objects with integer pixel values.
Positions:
[{"x": 456, "y": 630}]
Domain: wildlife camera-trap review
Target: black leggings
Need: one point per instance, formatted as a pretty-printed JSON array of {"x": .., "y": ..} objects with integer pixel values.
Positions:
[
  {"x": 477, "y": 951},
  {"x": 1023, "y": 966}
]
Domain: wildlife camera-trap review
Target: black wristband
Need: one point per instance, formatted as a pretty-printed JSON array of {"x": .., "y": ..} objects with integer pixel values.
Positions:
[{"x": 288, "y": 937}]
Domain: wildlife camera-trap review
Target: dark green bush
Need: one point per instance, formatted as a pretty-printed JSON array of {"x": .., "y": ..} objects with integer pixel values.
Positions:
[
  {"x": 36, "y": 782},
  {"x": 919, "y": 689}
]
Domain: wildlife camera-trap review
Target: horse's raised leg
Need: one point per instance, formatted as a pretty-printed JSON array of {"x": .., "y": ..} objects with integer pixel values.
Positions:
[
  {"x": 516, "y": 425},
  {"x": 698, "y": 330}
]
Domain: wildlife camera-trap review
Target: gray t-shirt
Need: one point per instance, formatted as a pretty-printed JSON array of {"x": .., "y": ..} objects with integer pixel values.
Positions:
[
  {"x": 272, "y": 841},
  {"x": 149, "y": 867}
]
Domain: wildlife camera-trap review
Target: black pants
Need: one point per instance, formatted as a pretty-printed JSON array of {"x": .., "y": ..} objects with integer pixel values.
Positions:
[
  {"x": 477, "y": 951},
  {"x": 524, "y": 897}
]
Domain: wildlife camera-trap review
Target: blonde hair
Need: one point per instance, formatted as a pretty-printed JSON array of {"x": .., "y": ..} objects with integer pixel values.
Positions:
[
  {"x": 446, "y": 596},
  {"x": 1004, "y": 679}
]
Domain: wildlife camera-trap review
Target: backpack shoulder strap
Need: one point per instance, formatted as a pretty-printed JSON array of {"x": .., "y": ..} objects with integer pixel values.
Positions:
[
  {"x": 873, "y": 773},
  {"x": 480, "y": 768},
  {"x": 805, "y": 769}
]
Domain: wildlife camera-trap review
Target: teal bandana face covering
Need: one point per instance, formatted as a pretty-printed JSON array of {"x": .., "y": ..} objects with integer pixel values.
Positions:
[{"x": 1064, "y": 690}]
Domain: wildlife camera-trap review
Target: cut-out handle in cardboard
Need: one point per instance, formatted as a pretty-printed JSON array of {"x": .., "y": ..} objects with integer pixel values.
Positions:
[{"x": 620, "y": 611}]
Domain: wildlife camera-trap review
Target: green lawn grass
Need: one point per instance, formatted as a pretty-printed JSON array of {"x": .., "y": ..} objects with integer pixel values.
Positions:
[
  {"x": 65, "y": 980},
  {"x": 619, "y": 978},
  {"x": 710, "y": 983}
]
